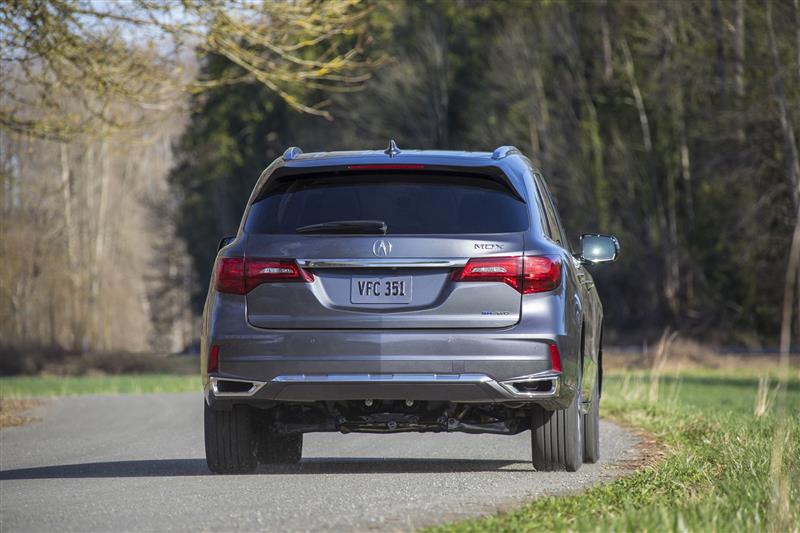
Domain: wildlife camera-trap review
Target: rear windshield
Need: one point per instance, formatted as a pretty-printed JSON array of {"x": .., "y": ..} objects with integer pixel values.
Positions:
[{"x": 407, "y": 204}]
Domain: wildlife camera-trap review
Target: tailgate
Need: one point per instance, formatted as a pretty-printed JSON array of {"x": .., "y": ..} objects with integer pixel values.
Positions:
[
  {"x": 352, "y": 288},
  {"x": 409, "y": 273}
]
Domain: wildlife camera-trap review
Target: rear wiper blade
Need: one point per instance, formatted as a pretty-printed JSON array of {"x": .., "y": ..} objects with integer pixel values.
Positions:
[{"x": 371, "y": 227}]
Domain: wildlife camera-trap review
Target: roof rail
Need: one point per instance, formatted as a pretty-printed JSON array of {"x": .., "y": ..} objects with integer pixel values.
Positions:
[
  {"x": 291, "y": 153},
  {"x": 504, "y": 151}
]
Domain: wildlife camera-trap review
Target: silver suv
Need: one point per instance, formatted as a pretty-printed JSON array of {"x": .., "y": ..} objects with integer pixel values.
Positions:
[{"x": 389, "y": 291}]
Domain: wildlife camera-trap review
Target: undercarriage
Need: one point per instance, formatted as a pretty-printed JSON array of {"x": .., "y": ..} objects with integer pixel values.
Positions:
[{"x": 393, "y": 416}]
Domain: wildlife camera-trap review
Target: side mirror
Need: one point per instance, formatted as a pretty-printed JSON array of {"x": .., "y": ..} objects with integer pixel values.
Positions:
[
  {"x": 225, "y": 241},
  {"x": 596, "y": 248}
]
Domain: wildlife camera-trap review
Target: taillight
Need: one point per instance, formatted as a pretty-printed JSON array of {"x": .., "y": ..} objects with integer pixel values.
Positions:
[
  {"x": 507, "y": 270},
  {"x": 259, "y": 271},
  {"x": 230, "y": 275},
  {"x": 555, "y": 358},
  {"x": 237, "y": 275},
  {"x": 542, "y": 273},
  {"x": 213, "y": 359},
  {"x": 527, "y": 274}
]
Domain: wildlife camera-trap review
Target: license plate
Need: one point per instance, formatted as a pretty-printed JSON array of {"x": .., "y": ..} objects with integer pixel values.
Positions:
[{"x": 382, "y": 290}]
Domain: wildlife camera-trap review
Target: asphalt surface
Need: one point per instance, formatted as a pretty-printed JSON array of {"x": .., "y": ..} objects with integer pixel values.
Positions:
[{"x": 133, "y": 463}]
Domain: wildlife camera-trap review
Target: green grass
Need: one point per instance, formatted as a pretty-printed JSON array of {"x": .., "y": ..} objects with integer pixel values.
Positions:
[
  {"x": 26, "y": 386},
  {"x": 715, "y": 474}
]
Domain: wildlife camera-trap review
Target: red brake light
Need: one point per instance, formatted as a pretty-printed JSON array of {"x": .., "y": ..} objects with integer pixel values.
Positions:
[
  {"x": 213, "y": 359},
  {"x": 237, "y": 275},
  {"x": 528, "y": 274},
  {"x": 386, "y": 167},
  {"x": 555, "y": 358}
]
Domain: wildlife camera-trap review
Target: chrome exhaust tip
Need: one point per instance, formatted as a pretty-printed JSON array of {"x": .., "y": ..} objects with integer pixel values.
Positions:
[
  {"x": 541, "y": 386},
  {"x": 229, "y": 387}
]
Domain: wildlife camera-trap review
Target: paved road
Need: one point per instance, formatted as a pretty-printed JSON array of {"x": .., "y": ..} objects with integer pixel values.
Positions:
[{"x": 125, "y": 463}]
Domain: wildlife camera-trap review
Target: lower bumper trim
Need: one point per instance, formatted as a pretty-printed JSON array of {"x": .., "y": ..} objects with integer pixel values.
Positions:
[
  {"x": 468, "y": 387},
  {"x": 394, "y": 378}
]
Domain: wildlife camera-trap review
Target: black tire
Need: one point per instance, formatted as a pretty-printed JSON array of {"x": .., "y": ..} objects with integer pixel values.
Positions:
[
  {"x": 591, "y": 428},
  {"x": 230, "y": 442},
  {"x": 277, "y": 449},
  {"x": 556, "y": 440}
]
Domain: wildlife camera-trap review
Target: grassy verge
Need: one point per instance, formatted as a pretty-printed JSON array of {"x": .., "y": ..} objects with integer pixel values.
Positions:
[
  {"x": 37, "y": 386},
  {"x": 723, "y": 468}
]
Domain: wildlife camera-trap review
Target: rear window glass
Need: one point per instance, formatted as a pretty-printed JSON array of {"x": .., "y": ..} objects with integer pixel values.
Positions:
[{"x": 407, "y": 204}]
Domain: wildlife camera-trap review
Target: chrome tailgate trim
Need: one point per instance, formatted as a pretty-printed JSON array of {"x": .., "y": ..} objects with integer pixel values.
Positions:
[{"x": 382, "y": 263}]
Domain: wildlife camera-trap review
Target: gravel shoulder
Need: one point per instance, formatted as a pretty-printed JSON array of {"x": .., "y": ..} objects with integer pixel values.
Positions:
[{"x": 121, "y": 463}]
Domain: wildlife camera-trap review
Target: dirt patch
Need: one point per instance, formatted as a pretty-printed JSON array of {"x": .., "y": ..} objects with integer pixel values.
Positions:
[
  {"x": 12, "y": 412},
  {"x": 648, "y": 451}
]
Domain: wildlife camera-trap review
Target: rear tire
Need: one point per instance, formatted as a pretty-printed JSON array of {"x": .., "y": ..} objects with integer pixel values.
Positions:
[
  {"x": 591, "y": 428},
  {"x": 556, "y": 440},
  {"x": 276, "y": 448},
  {"x": 230, "y": 443}
]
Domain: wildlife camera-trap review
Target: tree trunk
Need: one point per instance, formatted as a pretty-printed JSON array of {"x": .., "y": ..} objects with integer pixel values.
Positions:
[
  {"x": 739, "y": 54},
  {"x": 436, "y": 53},
  {"x": 672, "y": 280},
  {"x": 790, "y": 145},
  {"x": 600, "y": 184},
  {"x": 98, "y": 322},
  {"x": 592, "y": 128},
  {"x": 72, "y": 264},
  {"x": 679, "y": 108},
  {"x": 543, "y": 117},
  {"x": 637, "y": 96},
  {"x": 719, "y": 33},
  {"x": 673, "y": 71},
  {"x": 605, "y": 32},
  {"x": 789, "y": 293},
  {"x": 533, "y": 138},
  {"x": 781, "y": 499},
  {"x": 797, "y": 31}
]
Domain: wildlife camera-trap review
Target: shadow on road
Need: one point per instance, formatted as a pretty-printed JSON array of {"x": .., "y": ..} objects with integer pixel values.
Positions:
[{"x": 312, "y": 465}]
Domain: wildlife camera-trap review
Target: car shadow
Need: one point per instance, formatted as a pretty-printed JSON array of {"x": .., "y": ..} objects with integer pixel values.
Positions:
[{"x": 311, "y": 465}]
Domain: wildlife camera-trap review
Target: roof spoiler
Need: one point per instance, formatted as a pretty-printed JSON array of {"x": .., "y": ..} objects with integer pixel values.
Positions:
[
  {"x": 293, "y": 151},
  {"x": 499, "y": 153}
]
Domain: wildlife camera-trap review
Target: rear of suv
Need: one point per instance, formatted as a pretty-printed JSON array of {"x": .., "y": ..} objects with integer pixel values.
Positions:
[{"x": 389, "y": 291}]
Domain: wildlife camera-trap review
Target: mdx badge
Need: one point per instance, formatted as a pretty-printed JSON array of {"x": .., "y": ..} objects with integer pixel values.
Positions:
[
  {"x": 488, "y": 246},
  {"x": 382, "y": 248}
]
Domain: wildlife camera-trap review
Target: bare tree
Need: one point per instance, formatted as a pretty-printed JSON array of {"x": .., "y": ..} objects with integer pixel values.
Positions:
[
  {"x": 76, "y": 245},
  {"x": 106, "y": 55}
]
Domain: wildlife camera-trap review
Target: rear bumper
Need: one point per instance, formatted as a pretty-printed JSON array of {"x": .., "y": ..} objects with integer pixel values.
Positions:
[
  {"x": 469, "y": 365},
  {"x": 543, "y": 387}
]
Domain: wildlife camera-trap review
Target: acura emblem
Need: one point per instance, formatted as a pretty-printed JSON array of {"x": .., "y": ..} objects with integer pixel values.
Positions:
[{"x": 382, "y": 248}]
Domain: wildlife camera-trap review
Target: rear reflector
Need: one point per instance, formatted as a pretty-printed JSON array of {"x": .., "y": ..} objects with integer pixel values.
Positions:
[
  {"x": 527, "y": 274},
  {"x": 213, "y": 359},
  {"x": 555, "y": 358},
  {"x": 237, "y": 275}
]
